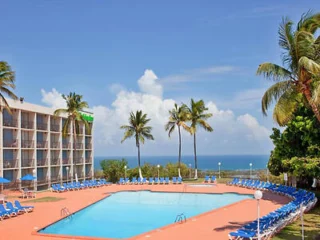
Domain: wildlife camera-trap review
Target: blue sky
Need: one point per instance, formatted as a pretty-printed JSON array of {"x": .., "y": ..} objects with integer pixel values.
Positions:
[{"x": 200, "y": 49}]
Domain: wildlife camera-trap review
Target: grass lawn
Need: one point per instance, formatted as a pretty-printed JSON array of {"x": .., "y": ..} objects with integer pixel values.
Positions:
[
  {"x": 44, "y": 199},
  {"x": 311, "y": 227}
]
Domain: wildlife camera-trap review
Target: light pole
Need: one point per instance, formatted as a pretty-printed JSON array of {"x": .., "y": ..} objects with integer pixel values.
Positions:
[
  {"x": 267, "y": 174},
  {"x": 34, "y": 171},
  {"x": 219, "y": 163},
  {"x": 67, "y": 168},
  {"x": 189, "y": 170},
  {"x": 250, "y": 170},
  {"x": 158, "y": 166},
  {"x": 125, "y": 172},
  {"x": 258, "y": 196}
]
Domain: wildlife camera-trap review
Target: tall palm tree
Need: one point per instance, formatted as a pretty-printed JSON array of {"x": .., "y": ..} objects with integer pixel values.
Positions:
[
  {"x": 73, "y": 111},
  {"x": 7, "y": 79},
  {"x": 138, "y": 129},
  {"x": 178, "y": 117},
  {"x": 298, "y": 79},
  {"x": 198, "y": 116}
]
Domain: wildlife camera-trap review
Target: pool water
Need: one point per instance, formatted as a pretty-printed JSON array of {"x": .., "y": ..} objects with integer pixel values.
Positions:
[{"x": 126, "y": 214}]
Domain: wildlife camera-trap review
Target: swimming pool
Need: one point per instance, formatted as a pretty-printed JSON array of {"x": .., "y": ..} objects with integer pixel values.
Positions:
[{"x": 126, "y": 214}]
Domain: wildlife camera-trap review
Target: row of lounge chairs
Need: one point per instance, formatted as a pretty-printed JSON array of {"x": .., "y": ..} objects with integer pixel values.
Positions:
[
  {"x": 161, "y": 180},
  {"x": 302, "y": 201},
  {"x": 208, "y": 179},
  {"x": 10, "y": 210},
  {"x": 72, "y": 186}
]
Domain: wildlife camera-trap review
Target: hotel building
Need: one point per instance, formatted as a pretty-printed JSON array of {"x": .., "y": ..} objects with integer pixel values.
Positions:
[{"x": 32, "y": 143}]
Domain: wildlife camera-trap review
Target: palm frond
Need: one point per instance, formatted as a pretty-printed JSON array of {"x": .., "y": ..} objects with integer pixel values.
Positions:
[
  {"x": 273, "y": 94},
  {"x": 206, "y": 126},
  {"x": 309, "y": 22},
  {"x": 309, "y": 65},
  {"x": 128, "y": 134},
  {"x": 274, "y": 72},
  {"x": 285, "y": 34},
  {"x": 60, "y": 111},
  {"x": 66, "y": 127}
]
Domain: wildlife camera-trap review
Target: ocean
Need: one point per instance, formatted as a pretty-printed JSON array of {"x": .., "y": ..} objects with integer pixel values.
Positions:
[{"x": 228, "y": 162}]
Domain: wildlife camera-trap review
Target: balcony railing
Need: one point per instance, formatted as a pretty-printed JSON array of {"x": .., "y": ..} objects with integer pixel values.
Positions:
[
  {"x": 55, "y": 144},
  {"x": 42, "y": 126},
  {"x": 54, "y": 127},
  {"x": 27, "y": 163},
  {"x": 79, "y": 132},
  {"x": 26, "y": 144},
  {"x": 88, "y": 175},
  {"x": 66, "y": 145},
  {"x": 55, "y": 178},
  {"x": 12, "y": 163},
  {"x": 88, "y": 159},
  {"x": 42, "y": 180},
  {"x": 78, "y": 146},
  {"x": 42, "y": 144},
  {"x": 27, "y": 124},
  {"x": 78, "y": 160},
  {"x": 9, "y": 122},
  {"x": 66, "y": 161},
  {"x": 88, "y": 145},
  {"x": 13, "y": 143},
  {"x": 42, "y": 162},
  {"x": 55, "y": 161}
]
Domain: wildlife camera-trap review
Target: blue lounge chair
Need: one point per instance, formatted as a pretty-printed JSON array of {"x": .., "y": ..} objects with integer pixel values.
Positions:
[
  {"x": 151, "y": 180},
  {"x": 206, "y": 179},
  {"x": 156, "y": 180},
  {"x": 10, "y": 212},
  {"x": 167, "y": 181},
  {"x": 134, "y": 180},
  {"x": 121, "y": 181},
  {"x": 161, "y": 180},
  {"x": 25, "y": 208},
  {"x": 16, "y": 210},
  {"x": 174, "y": 180},
  {"x": 144, "y": 181},
  {"x": 213, "y": 179},
  {"x": 179, "y": 180}
]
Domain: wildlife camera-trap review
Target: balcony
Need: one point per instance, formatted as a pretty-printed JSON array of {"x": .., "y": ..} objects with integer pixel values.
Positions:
[
  {"x": 79, "y": 131},
  {"x": 42, "y": 144},
  {"x": 88, "y": 159},
  {"x": 78, "y": 146},
  {"x": 8, "y": 122},
  {"x": 88, "y": 175},
  {"x": 42, "y": 180},
  {"x": 55, "y": 178},
  {"x": 88, "y": 146},
  {"x": 54, "y": 127},
  {"x": 66, "y": 145},
  {"x": 66, "y": 161},
  {"x": 27, "y": 144},
  {"x": 42, "y": 162},
  {"x": 27, "y": 163},
  {"x": 42, "y": 126},
  {"x": 78, "y": 160},
  {"x": 55, "y": 161},
  {"x": 55, "y": 145},
  {"x": 27, "y": 124},
  {"x": 13, "y": 143},
  {"x": 12, "y": 163}
]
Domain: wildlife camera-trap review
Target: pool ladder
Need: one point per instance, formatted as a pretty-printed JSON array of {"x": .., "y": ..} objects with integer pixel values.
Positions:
[
  {"x": 181, "y": 218},
  {"x": 65, "y": 213}
]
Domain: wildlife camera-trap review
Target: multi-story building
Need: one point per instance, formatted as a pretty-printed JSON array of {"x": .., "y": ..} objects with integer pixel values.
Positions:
[{"x": 32, "y": 143}]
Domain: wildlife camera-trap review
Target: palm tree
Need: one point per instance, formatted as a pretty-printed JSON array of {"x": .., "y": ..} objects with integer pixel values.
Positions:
[
  {"x": 197, "y": 116},
  {"x": 178, "y": 117},
  {"x": 298, "y": 79},
  {"x": 73, "y": 111},
  {"x": 7, "y": 79},
  {"x": 138, "y": 129}
]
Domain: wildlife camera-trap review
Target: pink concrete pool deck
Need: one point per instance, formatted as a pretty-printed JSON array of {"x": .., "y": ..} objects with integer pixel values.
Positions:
[{"x": 215, "y": 224}]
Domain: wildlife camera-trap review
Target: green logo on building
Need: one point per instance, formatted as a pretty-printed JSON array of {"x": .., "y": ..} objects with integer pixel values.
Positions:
[{"x": 88, "y": 117}]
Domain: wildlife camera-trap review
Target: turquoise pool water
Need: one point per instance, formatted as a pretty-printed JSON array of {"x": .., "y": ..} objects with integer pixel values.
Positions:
[{"x": 126, "y": 214}]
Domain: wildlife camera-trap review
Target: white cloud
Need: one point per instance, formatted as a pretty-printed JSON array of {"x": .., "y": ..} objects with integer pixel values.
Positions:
[
  {"x": 148, "y": 83},
  {"x": 53, "y": 98},
  {"x": 232, "y": 134},
  {"x": 116, "y": 88}
]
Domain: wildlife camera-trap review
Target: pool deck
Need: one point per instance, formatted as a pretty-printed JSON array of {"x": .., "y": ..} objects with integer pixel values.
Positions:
[{"x": 215, "y": 224}]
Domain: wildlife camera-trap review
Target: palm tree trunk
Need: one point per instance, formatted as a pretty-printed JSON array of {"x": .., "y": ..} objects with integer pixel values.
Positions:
[
  {"x": 74, "y": 148},
  {"x": 195, "y": 157},
  {"x": 307, "y": 93},
  {"x": 179, "y": 160},
  {"x": 140, "y": 173}
]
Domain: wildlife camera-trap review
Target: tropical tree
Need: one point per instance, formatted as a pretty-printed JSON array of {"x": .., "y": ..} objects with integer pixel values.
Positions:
[
  {"x": 138, "y": 129},
  {"x": 7, "y": 82},
  {"x": 74, "y": 117},
  {"x": 178, "y": 117},
  {"x": 197, "y": 116},
  {"x": 298, "y": 79}
]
